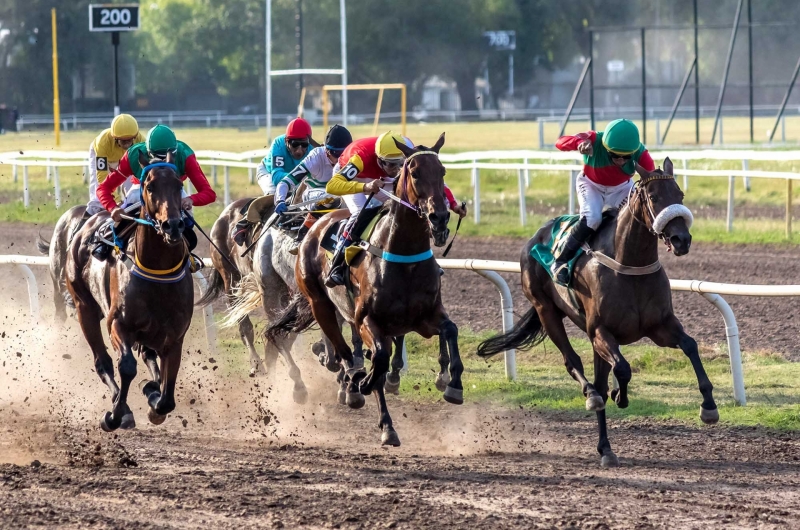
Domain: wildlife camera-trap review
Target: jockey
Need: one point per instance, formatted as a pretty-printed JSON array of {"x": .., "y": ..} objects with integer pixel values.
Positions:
[
  {"x": 160, "y": 140},
  {"x": 105, "y": 152},
  {"x": 610, "y": 159},
  {"x": 315, "y": 170},
  {"x": 366, "y": 166},
  {"x": 285, "y": 154},
  {"x": 287, "y": 151}
]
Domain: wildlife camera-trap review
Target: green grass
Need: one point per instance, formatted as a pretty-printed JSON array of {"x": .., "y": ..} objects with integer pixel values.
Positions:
[
  {"x": 546, "y": 196},
  {"x": 663, "y": 386}
]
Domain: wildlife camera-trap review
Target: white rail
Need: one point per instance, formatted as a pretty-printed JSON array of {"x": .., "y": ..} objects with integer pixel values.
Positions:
[{"x": 23, "y": 263}]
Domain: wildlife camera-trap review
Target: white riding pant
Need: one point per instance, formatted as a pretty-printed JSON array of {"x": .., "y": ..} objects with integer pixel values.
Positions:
[
  {"x": 594, "y": 197},
  {"x": 265, "y": 182}
]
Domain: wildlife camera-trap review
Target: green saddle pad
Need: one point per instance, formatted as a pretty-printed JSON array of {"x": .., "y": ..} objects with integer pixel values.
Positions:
[{"x": 543, "y": 252}]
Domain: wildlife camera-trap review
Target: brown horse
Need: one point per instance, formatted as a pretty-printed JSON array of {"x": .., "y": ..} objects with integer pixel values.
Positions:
[
  {"x": 149, "y": 307},
  {"x": 388, "y": 296},
  {"x": 611, "y": 307}
]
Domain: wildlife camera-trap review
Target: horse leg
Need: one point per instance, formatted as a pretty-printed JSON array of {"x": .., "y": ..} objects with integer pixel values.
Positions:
[
  {"x": 443, "y": 377},
  {"x": 325, "y": 314},
  {"x": 89, "y": 319},
  {"x": 454, "y": 393},
  {"x": 151, "y": 361},
  {"x": 672, "y": 335},
  {"x": 127, "y": 372},
  {"x": 388, "y": 434},
  {"x": 299, "y": 393},
  {"x": 248, "y": 338},
  {"x": 358, "y": 348},
  {"x": 607, "y": 347},
  {"x": 161, "y": 398},
  {"x": 381, "y": 348},
  {"x": 554, "y": 327},
  {"x": 601, "y": 371},
  {"x": 392, "y": 385},
  {"x": 271, "y": 353}
]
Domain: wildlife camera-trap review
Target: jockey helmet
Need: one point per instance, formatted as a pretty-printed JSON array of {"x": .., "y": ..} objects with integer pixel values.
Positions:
[
  {"x": 298, "y": 128},
  {"x": 385, "y": 147},
  {"x": 160, "y": 140},
  {"x": 621, "y": 137},
  {"x": 337, "y": 139},
  {"x": 124, "y": 127}
]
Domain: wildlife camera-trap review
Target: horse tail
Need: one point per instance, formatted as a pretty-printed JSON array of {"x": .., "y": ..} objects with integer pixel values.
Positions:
[
  {"x": 245, "y": 298},
  {"x": 526, "y": 333},
  {"x": 42, "y": 245},
  {"x": 295, "y": 318},
  {"x": 215, "y": 287}
]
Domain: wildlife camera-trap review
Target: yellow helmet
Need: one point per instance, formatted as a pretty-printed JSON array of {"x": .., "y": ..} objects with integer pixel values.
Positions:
[
  {"x": 124, "y": 126},
  {"x": 385, "y": 147}
]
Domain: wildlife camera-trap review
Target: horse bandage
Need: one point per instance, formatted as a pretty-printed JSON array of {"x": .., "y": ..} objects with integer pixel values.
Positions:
[{"x": 669, "y": 213}]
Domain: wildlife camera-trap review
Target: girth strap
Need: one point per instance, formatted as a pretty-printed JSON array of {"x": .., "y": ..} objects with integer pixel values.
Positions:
[
  {"x": 616, "y": 266},
  {"x": 394, "y": 258}
]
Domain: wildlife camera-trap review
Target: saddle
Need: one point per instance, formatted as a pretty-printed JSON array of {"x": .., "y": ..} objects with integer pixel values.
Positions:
[
  {"x": 331, "y": 238},
  {"x": 545, "y": 252}
]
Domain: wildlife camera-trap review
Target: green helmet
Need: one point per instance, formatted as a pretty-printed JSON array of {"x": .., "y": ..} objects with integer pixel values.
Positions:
[
  {"x": 160, "y": 140},
  {"x": 622, "y": 137}
]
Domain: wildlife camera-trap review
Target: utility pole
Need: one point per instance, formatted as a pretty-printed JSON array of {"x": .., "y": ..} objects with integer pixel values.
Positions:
[{"x": 298, "y": 49}]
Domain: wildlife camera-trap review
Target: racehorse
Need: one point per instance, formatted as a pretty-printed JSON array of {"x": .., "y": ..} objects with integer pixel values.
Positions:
[
  {"x": 66, "y": 228},
  {"x": 392, "y": 289},
  {"x": 620, "y": 294},
  {"x": 149, "y": 307},
  {"x": 267, "y": 287}
]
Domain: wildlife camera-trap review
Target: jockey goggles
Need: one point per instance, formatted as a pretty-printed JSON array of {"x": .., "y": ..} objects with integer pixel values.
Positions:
[
  {"x": 393, "y": 163},
  {"x": 617, "y": 155},
  {"x": 294, "y": 144}
]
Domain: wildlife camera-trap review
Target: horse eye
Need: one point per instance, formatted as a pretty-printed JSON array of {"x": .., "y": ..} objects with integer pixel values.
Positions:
[
  {"x": 414, "y": 175},
  {"x": 150, "y": 188},
  {"x": 653, "y": 198}
]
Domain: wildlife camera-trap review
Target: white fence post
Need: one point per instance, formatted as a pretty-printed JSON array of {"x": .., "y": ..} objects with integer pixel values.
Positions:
[
  {"x": 523, "y": 214},
  {"x": 49, "y": 169},
  {"x": 14, "y": 171},
  {"x": 476, "y": 197},
  {"x": 214, "y": 175},
  {"x": 527, "y": 173},
  {"x": 26, "y": 193},
  {"x": 33, "y": 292},
  {"x": 208, "y": 315},
  {"x": 541, "y": 133},
  {"x": 746, "y": 167},
  {"x": 507, "y": 305},
  {"x": 86, "y": 175},
  {"x": 731, "y": 182},
  {"x": 734, "y": 351},
  {"x": 572, "y": 180},
  {"x": 251, "y": 175},
  {"x": 227, "y": 185},
  {"x": 685, "y": 177},
  {"x": 57, "y": 185}
]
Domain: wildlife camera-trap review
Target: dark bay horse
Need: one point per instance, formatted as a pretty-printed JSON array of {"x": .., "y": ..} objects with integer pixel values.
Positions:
[
  {"x": 614, "y": 308},
  {"x": 149, "y": 307},
  {"x": 389, "y": 296}
]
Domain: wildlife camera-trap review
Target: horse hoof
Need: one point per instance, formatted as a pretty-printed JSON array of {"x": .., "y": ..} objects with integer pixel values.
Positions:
[
  {"x": 332, "y": 365},
  {"x": 341, "y": 396},
  {"x": 454, "y": 395},
  {"x": 595, "y": 403},
  {"x": 619, "y": 399},
  {"x": 108, "y": 424},
  {"x": 392, "y": 385},
  {"x": 442, "y": 380},
  {"x": 318, "y": 348},
  {"x": 128, "y": 422},
  {"x": 300, "y": 396},
  {"x": 709, "y": 417},
  {"x": 609, "y": 460},
  {"x": 355, "y": 400},
  {"x": 155, "y": 418},
  {"x": 389, "y": 437}
]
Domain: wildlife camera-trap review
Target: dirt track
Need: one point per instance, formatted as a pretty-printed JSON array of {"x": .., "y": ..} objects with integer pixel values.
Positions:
[{"x": 238, "y": 454}]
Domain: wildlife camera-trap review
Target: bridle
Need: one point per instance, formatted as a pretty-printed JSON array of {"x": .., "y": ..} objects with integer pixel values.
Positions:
[
  {"x": 148, "y": 218},
  {"x": 638, "y": 190}
]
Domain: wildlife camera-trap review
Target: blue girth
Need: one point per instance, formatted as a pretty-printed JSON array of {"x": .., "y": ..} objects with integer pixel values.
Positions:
[{"x": 415, "y": 258}]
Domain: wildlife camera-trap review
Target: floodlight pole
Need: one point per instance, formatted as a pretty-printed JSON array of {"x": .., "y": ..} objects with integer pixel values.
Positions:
[
  {"x": 115, "y": 43},
  {"x": 268, "y": 76},
  {"x": 343, "y": 39}
]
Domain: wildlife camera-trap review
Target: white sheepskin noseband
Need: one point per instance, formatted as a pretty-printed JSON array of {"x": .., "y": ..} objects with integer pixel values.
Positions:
[{"x": 669, "y": 213}]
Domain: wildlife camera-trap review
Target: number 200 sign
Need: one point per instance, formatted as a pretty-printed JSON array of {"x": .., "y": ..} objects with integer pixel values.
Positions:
[{"x": 113, "y": 17}]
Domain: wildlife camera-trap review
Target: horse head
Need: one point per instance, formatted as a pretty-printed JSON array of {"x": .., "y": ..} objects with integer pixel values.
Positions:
[
  {"x": 161, "y": 197},
  {"x": 664, "y": 213},
  {"x": 421, "y": 182}
]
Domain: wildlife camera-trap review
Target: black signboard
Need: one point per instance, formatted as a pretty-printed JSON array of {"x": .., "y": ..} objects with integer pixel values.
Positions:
[{"x": 113, "y": 17}]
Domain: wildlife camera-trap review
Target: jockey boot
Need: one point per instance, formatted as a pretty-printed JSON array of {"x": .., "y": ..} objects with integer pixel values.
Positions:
[
  {"x": 579, "y": 234},
  {"x": 301, "y": 233},
  {"x": 101, "y": 251},
  {"x": 195, "y": 263},
  {"x": 239, "y": 232},
  {"x": 338, "y": 266}
]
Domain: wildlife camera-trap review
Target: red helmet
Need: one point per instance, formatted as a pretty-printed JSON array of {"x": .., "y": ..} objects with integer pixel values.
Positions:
[{"x": 298, "y": 128}]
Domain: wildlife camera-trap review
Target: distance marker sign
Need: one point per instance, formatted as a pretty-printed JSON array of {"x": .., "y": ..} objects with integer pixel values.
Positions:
[{"x": 113, "y": 17}]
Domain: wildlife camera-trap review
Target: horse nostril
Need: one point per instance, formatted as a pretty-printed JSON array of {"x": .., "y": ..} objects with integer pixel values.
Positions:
[
  {"x": 181, "y": 225},
  {"x": 433, "y": 217}
]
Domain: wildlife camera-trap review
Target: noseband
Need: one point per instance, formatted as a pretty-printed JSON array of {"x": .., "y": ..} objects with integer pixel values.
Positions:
[{"x": 658, "y": 222}]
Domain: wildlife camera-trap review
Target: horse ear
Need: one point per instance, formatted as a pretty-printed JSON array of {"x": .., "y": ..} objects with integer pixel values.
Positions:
[
  {"x": 439, "y": 143},
  {"x": 668, "y": 168},
  {"x": 143, "y": 160},
  {"x": 642, "y": 172},
  {"x": 314, "y": 143},
  {"x": 170, "y": 157},
  {"x": 407, "y": 151}
]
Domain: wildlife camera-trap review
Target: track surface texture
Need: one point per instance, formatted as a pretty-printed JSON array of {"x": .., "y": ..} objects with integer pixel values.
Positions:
[{"x": 237, "y": 453}]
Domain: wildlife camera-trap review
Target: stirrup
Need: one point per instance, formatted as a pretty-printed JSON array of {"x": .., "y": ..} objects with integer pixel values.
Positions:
[
  {"x": 335, "y": 276},
  {"x": 195, "y": 263},
  {"x": 294, "y": 249},
  {"x": 560, "y": 273}
]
